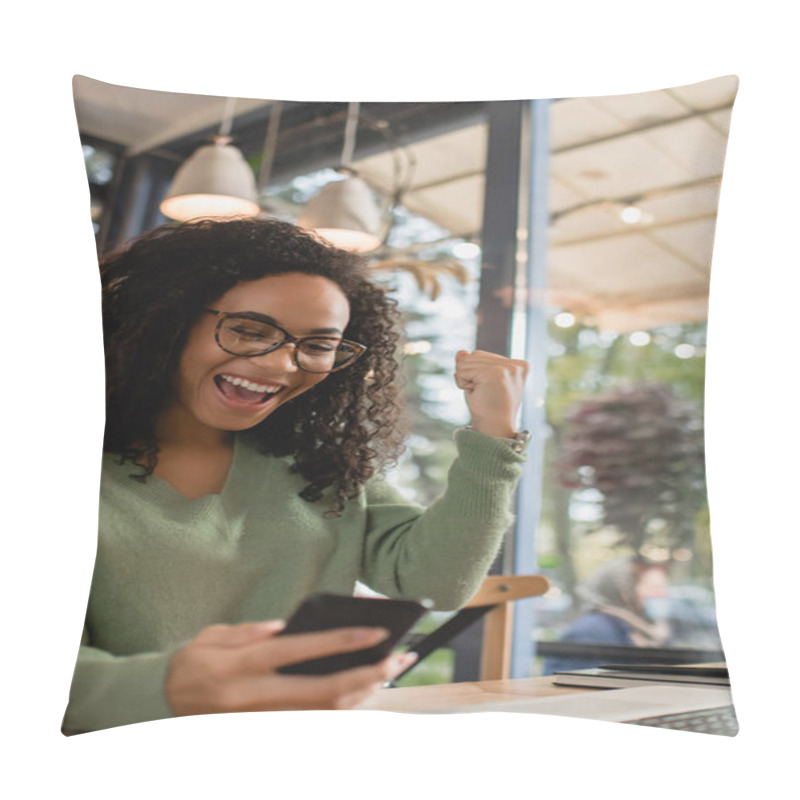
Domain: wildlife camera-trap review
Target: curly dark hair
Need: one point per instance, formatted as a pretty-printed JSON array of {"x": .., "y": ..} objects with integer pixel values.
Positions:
[{"x": 342, "y": 431}]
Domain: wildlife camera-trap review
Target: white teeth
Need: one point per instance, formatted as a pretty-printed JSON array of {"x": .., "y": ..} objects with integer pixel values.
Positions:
[{"x": 253, "y": 387}]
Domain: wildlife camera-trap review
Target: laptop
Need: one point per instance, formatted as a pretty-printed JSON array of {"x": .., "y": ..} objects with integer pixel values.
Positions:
[{"x": 696, "y": 708}]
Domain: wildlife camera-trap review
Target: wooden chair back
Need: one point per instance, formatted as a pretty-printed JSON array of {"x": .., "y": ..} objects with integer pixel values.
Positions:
[
  {"x": 494, "y": 602},
  {"x": 498, "y": 593}
]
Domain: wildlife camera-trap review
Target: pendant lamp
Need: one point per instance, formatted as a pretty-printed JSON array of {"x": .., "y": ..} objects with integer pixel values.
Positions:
[
  {"x": 215, "y": 182},
  {"x": 344, "y": 212}
]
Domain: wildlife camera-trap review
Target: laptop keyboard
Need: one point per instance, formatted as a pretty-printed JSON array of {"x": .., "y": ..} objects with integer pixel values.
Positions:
[{"x": 721, "y": 721}]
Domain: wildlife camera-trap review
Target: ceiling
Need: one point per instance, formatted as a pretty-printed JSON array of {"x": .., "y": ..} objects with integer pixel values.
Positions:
[
  {"x": 661, "y": 151},
  {"x": 141, "y": 119}
]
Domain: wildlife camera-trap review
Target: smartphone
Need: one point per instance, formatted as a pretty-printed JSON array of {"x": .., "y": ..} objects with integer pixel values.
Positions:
[{"x": 322, "y": 612}]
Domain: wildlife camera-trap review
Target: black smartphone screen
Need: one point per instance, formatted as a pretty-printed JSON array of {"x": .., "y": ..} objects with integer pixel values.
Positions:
[{"x": 322, "y": 612}]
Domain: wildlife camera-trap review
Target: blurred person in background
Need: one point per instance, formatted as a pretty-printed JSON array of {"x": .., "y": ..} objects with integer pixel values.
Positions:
[{"x": 624, "y": 605}]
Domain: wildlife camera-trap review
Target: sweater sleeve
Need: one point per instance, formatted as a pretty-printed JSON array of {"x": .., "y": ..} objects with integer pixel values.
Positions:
[
  {"x": 108, "y": 691},
  {"x": 444, "y": 552}
]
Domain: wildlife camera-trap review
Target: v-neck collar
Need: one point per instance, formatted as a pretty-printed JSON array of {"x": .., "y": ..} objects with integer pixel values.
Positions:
[{"x": 161, "y": 488}]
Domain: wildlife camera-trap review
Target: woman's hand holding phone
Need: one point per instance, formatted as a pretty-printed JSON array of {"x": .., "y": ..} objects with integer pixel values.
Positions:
[{"x": 233, "y": 668}]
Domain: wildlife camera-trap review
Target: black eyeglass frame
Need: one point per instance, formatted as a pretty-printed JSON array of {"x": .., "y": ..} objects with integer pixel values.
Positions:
[{"x": 254, "y": 316}]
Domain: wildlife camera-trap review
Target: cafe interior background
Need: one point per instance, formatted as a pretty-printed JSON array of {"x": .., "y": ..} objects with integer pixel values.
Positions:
[{"x": 574, "y": 232}]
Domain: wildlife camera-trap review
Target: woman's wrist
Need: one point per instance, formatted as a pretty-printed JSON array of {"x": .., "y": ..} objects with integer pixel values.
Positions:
[
  {"x": 501, "y": 429},
  {"x": 517, "y": 441}
]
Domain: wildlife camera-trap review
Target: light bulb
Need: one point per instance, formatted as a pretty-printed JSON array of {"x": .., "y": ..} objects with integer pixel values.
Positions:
[{"x": 631, "y": 215}]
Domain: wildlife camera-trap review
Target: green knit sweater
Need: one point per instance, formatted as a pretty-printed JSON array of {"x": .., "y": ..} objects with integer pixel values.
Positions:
[{"x": 168, "y": 566}]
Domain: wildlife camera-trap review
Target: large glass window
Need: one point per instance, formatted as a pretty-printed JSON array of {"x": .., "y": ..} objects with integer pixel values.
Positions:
[
  {"x": 624, "y": 481},
  {"x": 101, "y": 160},
  {"x": 624, "y": 528}
]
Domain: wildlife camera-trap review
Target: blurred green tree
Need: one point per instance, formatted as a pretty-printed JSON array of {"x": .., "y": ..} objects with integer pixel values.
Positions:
[
  {"x": 641, "y": 448},
  {"x": 586, "y": 365}
]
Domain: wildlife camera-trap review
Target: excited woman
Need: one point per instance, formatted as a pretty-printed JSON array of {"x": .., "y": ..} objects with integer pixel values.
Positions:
[{"x": 251, "y": 407}]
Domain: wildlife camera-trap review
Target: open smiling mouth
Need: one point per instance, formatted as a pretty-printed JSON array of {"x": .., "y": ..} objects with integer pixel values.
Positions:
[{"x": 242, "y": 392}]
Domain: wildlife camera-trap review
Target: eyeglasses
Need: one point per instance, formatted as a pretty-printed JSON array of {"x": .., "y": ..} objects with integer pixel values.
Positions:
[{"x": 249, "y": 334}]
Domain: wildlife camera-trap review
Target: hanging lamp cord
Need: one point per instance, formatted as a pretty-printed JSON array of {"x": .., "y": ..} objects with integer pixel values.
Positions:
[
  {"x": 270, "y": 146},
  {"x": 227, "y": 117},
  {"x": 351, "y": 124}
]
